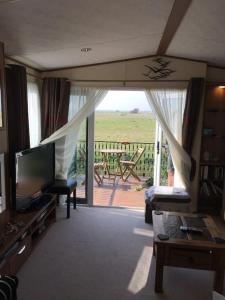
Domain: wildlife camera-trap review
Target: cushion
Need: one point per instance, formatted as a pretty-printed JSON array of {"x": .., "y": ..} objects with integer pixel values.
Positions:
[
  {"x": 166, "y": 194},
  {"x": 62, "y": 186}
]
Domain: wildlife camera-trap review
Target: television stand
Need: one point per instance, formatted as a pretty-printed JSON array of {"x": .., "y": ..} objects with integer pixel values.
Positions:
[
  {"x": 40, "y": 202},
  {"x": 20, "y": 233}
]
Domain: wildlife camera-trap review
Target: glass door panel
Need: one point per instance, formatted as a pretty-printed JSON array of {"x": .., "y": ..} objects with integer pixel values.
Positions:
[
  {"x": 80, "y": 165},
  {"x": 164, "y": 161},
  {"x": 161, "y": 158}
]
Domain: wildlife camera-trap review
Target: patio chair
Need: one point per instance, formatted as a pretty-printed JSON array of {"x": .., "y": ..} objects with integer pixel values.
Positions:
[
  {"x": 97, "y": 167},
  {"x": 129, "y": 165}
]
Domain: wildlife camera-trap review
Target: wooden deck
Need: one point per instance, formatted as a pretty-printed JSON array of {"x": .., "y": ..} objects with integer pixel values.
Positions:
[{"x": 118, "y": 194}]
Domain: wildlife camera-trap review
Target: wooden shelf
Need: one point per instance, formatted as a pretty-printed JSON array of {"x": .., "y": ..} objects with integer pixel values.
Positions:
[
  {"x": 12, "y": 243},
  {"x": 212, "y": 172},
  {"x": 212, "y": 163}
]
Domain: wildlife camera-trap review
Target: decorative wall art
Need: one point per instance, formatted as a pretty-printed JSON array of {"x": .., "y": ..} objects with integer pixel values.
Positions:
[{"x": 158, "y": 69}]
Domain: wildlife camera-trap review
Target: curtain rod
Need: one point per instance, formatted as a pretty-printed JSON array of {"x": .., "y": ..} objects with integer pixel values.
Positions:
[{"x": 119, "y": 81}]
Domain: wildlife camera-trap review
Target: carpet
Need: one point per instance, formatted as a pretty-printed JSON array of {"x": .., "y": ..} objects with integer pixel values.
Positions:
[{"x": 103, "y": 254}]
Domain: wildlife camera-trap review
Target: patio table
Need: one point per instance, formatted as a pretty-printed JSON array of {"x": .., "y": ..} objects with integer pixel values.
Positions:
[{"x": 116, "y": 152}]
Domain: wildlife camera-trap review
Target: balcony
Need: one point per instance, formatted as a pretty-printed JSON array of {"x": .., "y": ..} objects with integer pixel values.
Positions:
[{"x": 120, "y": 193}]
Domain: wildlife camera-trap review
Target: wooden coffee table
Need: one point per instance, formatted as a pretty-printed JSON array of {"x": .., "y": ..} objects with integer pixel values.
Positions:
[{"x": 187, "y": 250}]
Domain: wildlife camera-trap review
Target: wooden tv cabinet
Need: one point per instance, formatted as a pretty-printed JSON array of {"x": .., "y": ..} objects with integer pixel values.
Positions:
[{"x": 16, "y": 246}]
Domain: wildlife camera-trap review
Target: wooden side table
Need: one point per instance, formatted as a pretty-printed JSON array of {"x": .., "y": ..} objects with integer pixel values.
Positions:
[{"x": 187, "y": 250}]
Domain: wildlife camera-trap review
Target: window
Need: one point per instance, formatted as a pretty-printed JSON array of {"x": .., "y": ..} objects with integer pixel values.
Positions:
[{"x": 34, "y": 113}]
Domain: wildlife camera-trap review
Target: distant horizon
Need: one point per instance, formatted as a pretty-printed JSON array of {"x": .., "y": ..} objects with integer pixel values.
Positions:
[
  {"x": 127, "y": 111},
  {"x": 124, "y": 101}
]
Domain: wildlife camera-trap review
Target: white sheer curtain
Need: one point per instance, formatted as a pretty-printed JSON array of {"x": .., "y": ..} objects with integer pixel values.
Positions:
[
  {"x": 34, "y": 113},
  {"x": 168, "y": 107},
  {"x": 77, "y": 100},
  {"x": 84, "y": 101}
]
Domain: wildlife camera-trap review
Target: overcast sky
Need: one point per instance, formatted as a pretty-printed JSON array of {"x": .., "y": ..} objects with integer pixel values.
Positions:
[{"x": 124, "y": 101}]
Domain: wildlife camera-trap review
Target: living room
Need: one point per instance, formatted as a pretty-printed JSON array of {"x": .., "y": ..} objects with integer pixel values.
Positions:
[{"x": 58, "y": 248}]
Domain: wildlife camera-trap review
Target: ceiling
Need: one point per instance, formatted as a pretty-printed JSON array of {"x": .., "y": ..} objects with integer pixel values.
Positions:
[
  {"x": 201, "y": 34},
  {"x": 50, "y": 34}
]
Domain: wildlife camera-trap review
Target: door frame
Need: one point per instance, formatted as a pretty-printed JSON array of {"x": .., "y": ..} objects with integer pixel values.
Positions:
[
  {"x": 157, "y": 161},
  {"x": 90, "y": 159}
]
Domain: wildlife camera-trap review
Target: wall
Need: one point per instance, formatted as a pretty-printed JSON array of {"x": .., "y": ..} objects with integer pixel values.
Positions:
[
  {"x": 130, "y": 73},
  {"x": 215, "y": 74}
]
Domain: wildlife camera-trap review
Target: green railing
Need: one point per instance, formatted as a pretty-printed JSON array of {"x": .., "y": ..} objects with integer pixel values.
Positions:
[{"x": 145, "y": 166}]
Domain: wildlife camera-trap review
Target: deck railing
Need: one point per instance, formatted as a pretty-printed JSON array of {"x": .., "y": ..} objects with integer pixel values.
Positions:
[{"x": 145, "y": 166}]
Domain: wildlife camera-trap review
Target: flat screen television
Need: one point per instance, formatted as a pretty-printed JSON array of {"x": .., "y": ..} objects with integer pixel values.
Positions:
[{"x": 35, "y": 172}]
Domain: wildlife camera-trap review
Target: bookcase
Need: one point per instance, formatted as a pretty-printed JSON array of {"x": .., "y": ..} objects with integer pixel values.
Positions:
[{"x": 212, "y": 158}]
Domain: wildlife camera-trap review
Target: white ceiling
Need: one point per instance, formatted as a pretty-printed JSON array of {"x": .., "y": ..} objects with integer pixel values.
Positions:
[
  {"x": 49, "y": 34},
  {"x": 201, "y": 34}
]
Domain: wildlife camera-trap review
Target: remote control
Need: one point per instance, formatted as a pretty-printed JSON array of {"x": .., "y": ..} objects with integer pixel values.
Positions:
[{"x": 191, "y": 229}]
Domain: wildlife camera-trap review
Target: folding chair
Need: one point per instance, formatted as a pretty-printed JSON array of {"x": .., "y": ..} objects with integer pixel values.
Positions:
[
  {"x": 97, "y": 167},
  {"x": 129, "y": 165}
]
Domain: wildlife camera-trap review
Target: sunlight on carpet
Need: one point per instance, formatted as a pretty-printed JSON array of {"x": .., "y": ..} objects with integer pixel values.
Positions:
[{"x": 140, "y": 275}]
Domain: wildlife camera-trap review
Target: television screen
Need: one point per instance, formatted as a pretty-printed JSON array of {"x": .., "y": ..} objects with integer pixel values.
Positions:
[{"x": 35, "y": 172}]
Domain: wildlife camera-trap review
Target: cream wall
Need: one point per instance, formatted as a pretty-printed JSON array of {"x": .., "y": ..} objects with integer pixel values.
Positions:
[
  {"x": 215, "y": 74},
  {"x": 130, "y": 73}
]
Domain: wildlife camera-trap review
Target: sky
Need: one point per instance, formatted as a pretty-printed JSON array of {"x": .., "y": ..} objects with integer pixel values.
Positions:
[{"x": 124, "y": 101}]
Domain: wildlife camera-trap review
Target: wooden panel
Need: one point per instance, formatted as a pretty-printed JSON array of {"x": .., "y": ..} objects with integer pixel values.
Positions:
[
  {"x": 29, "y": 218},
  {"x": 4, "y": 129},
  {"x": 16, "y": 246},
  {"x": 190, "y": 258},
  {"x": 214, "y": 118},
  {"x": 21, "y": 254},
  {"x": 4, "y": 267},
  {"x": 212, "y": 169}
]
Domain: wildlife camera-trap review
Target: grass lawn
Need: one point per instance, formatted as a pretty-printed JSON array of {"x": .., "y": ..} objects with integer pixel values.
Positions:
[{"x": 124, "y": 127}]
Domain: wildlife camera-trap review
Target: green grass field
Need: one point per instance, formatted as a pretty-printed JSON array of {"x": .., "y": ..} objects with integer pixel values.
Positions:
[{"x": 124, "y": 127}]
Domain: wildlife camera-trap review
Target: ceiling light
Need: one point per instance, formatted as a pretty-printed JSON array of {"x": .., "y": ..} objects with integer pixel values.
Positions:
[{"x": 85, "y": 49}]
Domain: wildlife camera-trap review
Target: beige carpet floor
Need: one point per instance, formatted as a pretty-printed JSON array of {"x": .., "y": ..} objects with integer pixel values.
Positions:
[{"x": 103, "y": 254}]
